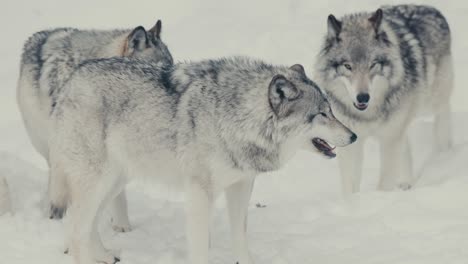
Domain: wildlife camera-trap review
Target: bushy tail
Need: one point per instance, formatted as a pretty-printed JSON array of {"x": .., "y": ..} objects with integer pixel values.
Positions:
[
  {"x": 32, "y": 50},
  {"x": 28, "y": 88}
]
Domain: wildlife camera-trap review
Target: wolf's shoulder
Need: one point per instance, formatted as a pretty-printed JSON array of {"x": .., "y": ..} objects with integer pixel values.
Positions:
[{"x": 418, "y": 15}]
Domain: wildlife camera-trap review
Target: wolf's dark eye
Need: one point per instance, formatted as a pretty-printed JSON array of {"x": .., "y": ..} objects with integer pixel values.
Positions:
[
  {"x": 374, "y": 64},
  {"x": 347, "y": 66},
  {"x": 323, "y": 114}
]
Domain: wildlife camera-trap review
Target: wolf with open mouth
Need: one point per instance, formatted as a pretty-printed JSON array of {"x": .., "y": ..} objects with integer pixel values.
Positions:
[{"x": 209, "y": 127}]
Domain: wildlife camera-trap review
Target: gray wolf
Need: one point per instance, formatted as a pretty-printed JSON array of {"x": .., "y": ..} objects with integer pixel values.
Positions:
[
  {"x": 205, "y": 127},
  {"x": 381, "y": 70},
  {"x": 49, "y": 59}
]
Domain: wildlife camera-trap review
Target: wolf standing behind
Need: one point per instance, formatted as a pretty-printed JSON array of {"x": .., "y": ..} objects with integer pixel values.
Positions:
[
  {"x": 209, "y": 127},
  {"x": 49, "y": 59},
  {"x": 380, "y": 71}
]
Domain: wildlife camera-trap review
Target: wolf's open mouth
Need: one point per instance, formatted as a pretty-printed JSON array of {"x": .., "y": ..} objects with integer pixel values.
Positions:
[
  {"x": 324, "y": 147},
  {"x": 361, "y": 106}
]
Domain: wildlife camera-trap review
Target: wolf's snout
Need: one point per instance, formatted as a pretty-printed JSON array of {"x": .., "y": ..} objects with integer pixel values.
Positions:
[
  {"x": 353, "y": 138},
  {"x": 363, "y": 98},
  {"x": 362, "y": 101}
]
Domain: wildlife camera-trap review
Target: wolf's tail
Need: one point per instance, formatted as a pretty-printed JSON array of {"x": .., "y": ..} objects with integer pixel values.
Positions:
[
  {"x": 32, "y": 49},
  {"x": 28, "y": 88}
]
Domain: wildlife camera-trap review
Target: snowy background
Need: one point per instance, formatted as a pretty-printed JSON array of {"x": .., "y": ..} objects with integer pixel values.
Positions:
[{"x": 305, "y": 219}]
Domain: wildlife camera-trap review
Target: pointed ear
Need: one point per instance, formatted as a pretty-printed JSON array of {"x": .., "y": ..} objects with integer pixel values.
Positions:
[
  {"x": 137, "y": 39},
  {"x": 298, "y": 68},
  {"x": 376, "y": 20},
  {"x": 156, "y": 30},
  {"x": 281, "y": 93},
  {"x": 334, "y": 27}
]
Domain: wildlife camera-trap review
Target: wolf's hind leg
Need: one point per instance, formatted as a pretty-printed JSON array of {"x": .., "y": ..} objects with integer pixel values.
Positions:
[
  {"x": 238, "y": 197},
  {"x": 199, "y": 202},
  {"x": 90, "y": 193}
]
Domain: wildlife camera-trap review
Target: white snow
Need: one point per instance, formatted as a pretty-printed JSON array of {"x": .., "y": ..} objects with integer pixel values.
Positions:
[{"x": 305, "y": 219}]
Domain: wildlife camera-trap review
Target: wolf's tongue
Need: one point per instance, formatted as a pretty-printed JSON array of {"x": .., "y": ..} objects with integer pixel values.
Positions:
[
  {"x": 324, "y": 147},
  {"x": 322, "y": 144}
]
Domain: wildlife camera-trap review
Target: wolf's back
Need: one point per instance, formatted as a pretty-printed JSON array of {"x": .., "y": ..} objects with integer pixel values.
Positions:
[{"x": 426, "y": 23}]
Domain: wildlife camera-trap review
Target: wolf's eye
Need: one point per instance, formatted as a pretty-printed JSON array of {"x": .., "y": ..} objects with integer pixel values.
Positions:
[
  {"x": 323, "y": 114},
  {"x": 374, "y": 64},
  {"x": 347, "y": 66}
]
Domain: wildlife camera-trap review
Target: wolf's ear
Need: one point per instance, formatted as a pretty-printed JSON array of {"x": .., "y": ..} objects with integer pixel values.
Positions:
[
  {"x": 376, "y": 20},
  {"x": 334, "y": 27},
  {"x": 281, "y": 93},
  {"x": 137, "y": 39},
  {"x": 298, "y": 68},
  {"x": 156, "y": 30}
]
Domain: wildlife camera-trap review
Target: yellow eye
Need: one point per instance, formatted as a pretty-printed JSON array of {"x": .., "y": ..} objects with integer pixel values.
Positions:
[{"x": 347, "y": 66}]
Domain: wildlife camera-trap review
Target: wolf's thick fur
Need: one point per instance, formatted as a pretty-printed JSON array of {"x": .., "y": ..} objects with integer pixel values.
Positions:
[
  {"x": 381, "y": 70},
  {"x": 49, "y": 59},
  {"x": 208, "y": 127}
]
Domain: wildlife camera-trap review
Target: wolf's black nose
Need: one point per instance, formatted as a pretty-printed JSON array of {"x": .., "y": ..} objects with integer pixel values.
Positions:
[
  {"x": 353, "y": 138},
  {"x": 363, "y": 98}
]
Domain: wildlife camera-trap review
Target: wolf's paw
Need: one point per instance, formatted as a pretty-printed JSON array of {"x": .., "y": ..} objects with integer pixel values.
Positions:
[
  {"x": 238, "y": 262},
  {"x": 112, "y": 260},
  {"x": 57, "y": 212},
  {"x": 405, "y": 186},
  {"x": 107, "y": 257},
  {"x": 122, "y": 229},
  {"x": 121, "y": 225},
  {"x": 244, "y": 260}
]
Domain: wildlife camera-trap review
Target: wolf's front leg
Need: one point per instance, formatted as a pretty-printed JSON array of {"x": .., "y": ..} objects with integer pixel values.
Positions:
[
  {"x": 350, "y": 160},
  {"x": 238, "y": 197},
  {"x": 396, "y": 166},
  {"x": 199, "y": 200},
  {"x": 58, "y": 192},
  {"x": 119, "y": 212}
]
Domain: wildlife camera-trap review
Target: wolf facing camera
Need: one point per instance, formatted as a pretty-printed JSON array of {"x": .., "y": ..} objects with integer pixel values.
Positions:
[{"x": 381, "y": 70}]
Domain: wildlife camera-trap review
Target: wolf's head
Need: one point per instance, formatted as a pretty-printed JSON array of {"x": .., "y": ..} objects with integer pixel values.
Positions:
[
  {"x": 147, "y": 45},
  {"x": 359, "y": 61},
  {"x": 304, "y": 115}
]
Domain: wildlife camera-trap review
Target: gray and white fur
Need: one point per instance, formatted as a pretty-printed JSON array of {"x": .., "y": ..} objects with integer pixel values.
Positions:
[
  {"x": 380, "y": 71},
  {"x": 49, "y": 59},
  {"x": 207, "y": 127}
]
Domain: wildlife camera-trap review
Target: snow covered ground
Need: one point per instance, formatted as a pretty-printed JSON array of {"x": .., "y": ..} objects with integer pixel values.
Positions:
[{"x": 305, "y": 219}]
